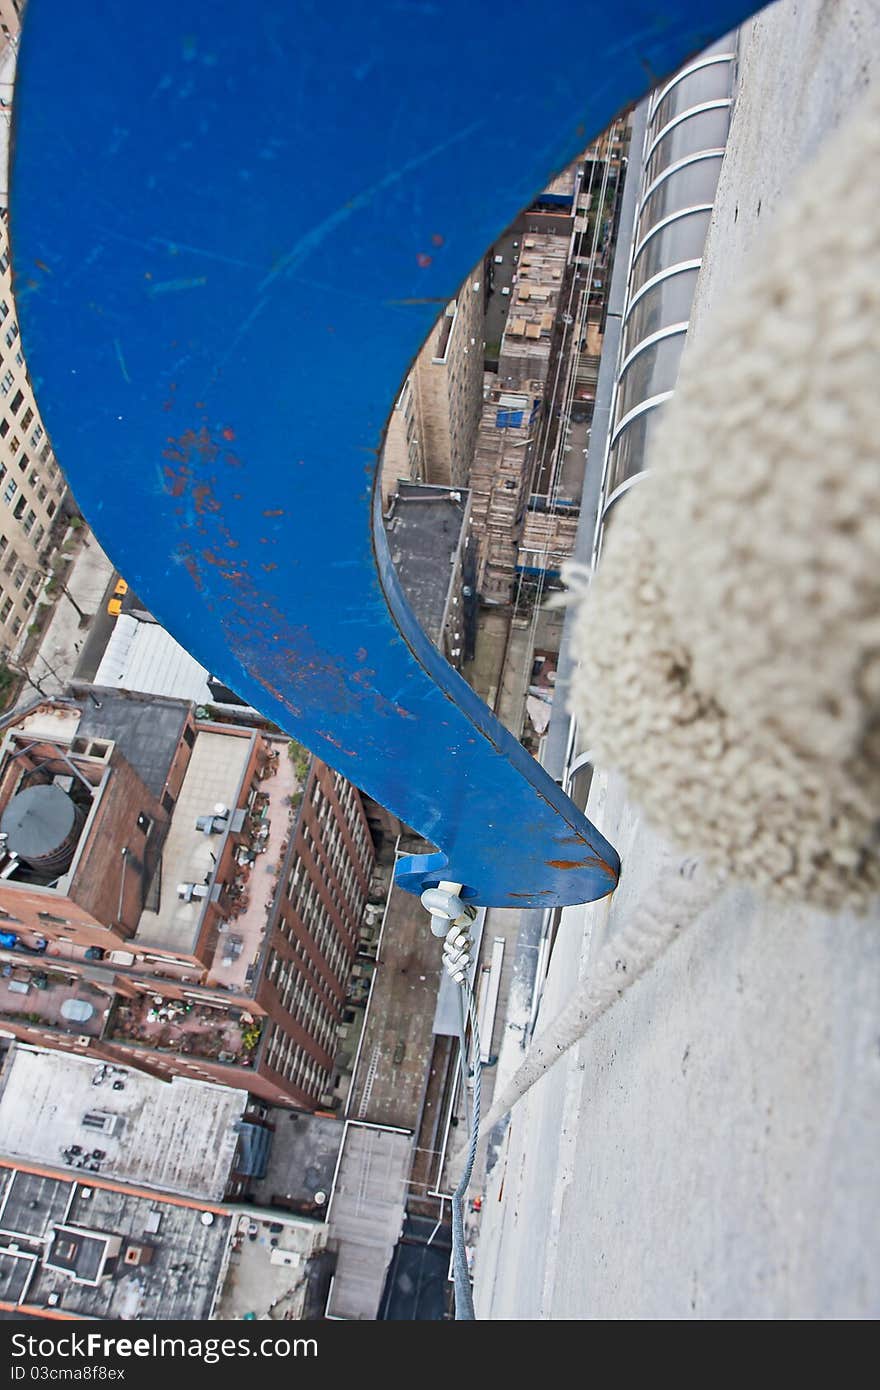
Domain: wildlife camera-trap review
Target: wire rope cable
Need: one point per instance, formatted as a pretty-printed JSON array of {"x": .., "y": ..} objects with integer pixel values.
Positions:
[{"x": 464, "y": 1298}]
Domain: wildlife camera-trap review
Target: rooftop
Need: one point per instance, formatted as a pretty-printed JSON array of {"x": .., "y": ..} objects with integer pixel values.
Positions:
[
  {"x": 178, "y": 1136},
  {"x": 34, "y": 992},
  {"x": 213, "y": 778},
  {"x": 146, "y": 731},
  {"x": 170, "y": 1261},
  {"x": 142, "y": 656},
  {"x": 424, "y": 527},
  {"x": 302, "y": 1163},
  {"x": 191, "y": 1028},
  {"x": 367, "y": 1216},
  {"x": 257, "y": 873},
  {"x": 389, "y": 1083}
]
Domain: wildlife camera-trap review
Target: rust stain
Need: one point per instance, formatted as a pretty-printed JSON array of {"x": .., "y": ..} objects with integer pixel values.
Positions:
[
  {"x": 271, "y": 566},
  {"x": 192, "y": 570},
  {"x": 277, "y": 511},
  {"x": 203, "y": 499},
  {"x": 541, "y": 893},
  {"x": 349, "y": 753},
  {"x": 423, "y": 261},
  {"x": 592, "y": 861},
  {"x": 228, "y": 433},
  {"x": 176, "y": 480}
]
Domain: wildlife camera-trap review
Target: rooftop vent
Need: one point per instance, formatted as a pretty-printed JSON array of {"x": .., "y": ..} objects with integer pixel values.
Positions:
[{"x": 138, "y": 1254}]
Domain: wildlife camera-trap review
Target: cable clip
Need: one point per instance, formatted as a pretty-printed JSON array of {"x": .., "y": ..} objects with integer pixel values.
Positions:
[{"x": 451, "y": 918}]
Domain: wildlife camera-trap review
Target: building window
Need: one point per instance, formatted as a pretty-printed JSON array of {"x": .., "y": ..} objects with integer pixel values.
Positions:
[
  {"x": 50, "y": 508},
  {"x": 16, "y": 627},
  {"x": 5, "y": 610},
  {"x": 36, "y": 436},
  {"x": 28, "y": 522},
  {"x": 6, "y": 383},
  {"x": 4, "y": 310},
  {"x": 11, "y": 335},
  {"x": 11, "y": 490},
  {"x": 20, "y": 576},
  {"x": 15, "y": 403},
  {"x": 14, "y": 444},
  {"x": 27, "y": 417}
]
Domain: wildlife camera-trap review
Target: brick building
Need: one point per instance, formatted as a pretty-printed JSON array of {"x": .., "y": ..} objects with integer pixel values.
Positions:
[{"x": 178, "y": 895}]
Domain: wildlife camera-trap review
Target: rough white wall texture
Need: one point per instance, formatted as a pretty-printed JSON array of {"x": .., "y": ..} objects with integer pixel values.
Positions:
[
  {"x": 731, "y": 641},
  {"x": 712, "y": 1149}
]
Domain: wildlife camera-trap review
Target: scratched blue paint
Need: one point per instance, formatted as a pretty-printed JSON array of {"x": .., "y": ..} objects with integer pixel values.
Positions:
[{"x": 232, "y": 226}]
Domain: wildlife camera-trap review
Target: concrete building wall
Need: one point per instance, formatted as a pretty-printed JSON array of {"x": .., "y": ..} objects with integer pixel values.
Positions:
[
  {"x": 32, "y": 487},
  {"x": 433, "y": 427}
]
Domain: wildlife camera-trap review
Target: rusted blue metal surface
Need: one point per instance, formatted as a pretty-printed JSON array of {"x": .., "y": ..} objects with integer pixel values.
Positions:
[{"x": 233, "y": 225}]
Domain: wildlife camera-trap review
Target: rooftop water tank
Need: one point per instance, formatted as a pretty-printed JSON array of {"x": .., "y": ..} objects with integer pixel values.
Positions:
[{"x": 42, "y": 825}]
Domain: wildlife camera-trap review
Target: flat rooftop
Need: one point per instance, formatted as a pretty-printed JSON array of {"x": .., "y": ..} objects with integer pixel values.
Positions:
[
  {"x": 188, "y": 1244},
  {"x": 302, "y": 1163},
  {"x": 214, "y": 776},
  {"x": 367, "y": 1216},
  {"x": 424, "y": 531},
  {"x": 146, "y": 730},
  {"x": 391, "y": 1077},
  {"x": 178, "y": 1136}
]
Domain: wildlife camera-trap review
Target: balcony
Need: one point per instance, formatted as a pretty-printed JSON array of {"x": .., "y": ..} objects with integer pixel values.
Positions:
[{"x": 188, "y": 1028}]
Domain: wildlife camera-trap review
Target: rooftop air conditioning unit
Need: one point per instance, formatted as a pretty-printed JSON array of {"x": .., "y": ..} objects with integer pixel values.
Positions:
[{"x": 187, "y": 891}]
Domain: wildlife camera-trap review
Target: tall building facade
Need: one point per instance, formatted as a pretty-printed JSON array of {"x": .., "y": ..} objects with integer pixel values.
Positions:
[
  {"x": 179, "y": 895},
  {"x": 32, "y": 487},
  {"x": 432, "y": 431}
]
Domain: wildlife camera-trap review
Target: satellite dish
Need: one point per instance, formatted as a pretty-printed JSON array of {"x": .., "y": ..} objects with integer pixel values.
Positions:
[{"x": 320, "y": 1198}]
